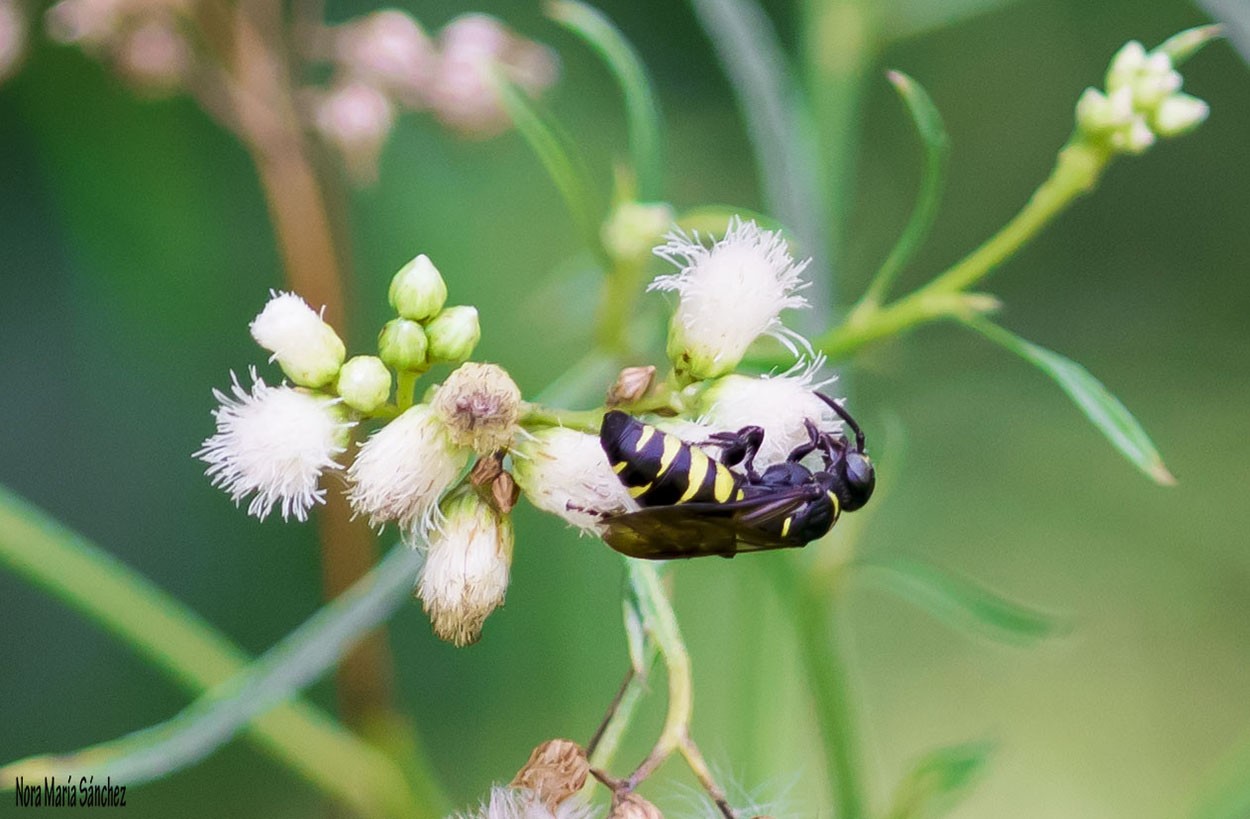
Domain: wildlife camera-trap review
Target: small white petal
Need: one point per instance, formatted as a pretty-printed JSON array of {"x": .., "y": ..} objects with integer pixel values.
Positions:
[
  {"x": 274, "y": 442},
  {"x": 729, "y": 295},
  {"x": 519, "y": 803},
  {"x": 567, "y": 473},
  {"x": 465, "y": 576},
  {"x": 402, "y": 471},
  {"x": 780, "y": 404}
]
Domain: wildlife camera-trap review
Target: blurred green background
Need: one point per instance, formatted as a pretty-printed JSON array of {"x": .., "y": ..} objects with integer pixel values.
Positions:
[{"x": 135, "y": 247}]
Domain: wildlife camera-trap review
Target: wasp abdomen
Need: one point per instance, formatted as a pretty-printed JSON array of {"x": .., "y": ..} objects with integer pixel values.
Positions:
[{"x": 660, "y": 469}]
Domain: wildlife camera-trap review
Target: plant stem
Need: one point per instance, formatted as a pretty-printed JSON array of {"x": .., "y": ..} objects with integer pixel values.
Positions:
[
  {"x": 815, "y": 622},
  {"x": 177, "y": 641},
  {"x": 1077, "y": 170},
  {"x": 661, "y": 623},
  {"x": 543, "y": 416}
]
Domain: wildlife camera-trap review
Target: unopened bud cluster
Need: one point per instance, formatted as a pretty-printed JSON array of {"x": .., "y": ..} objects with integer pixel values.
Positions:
[
  {"x": 1142, "y": 100},
  {"x": 425, "y": 331},
  {"x": 144, "y": 41}
]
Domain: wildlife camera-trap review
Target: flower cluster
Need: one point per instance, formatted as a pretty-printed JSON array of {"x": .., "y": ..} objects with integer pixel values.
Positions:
[
  {"x": 380, "y": 64},
  {"x": 447, "y": 470},
  {"x": 385, "y": 62},
  {"x": 276, "y": 444},
  {"x": 1142, "y": 102}
]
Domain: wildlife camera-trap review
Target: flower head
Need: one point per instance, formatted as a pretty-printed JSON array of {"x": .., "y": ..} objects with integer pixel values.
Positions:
[
  {"x": 390, "y": 50},
  {"x": 460, "y": 91},
  {"x": 781, "y": 404},
  {"x": 402, "y": 471},
  {"x": 729, "y": 295},
  {"x": 566, "y": 473},
  {"x": 307, "y": 349},
  {"x": 465, "y": 575},
  {"x": 480, "y": 404},
  {"x": 274, "y": 442},
  {"x": 356, "y": 119}
]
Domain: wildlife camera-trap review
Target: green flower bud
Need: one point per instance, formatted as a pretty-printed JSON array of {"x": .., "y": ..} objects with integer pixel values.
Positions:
[
  {"x": 453, "y": 334},
  {"x": 634, "y": 228},
  {"x": 418, "y": 291},
  {"x": 364, "y": 383},
  {"x": 402, "y": 345},
  {"x": 1179, "y": 114}
]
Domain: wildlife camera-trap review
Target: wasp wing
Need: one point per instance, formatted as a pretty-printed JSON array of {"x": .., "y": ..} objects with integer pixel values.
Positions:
[{"x": 700, "y": 529}]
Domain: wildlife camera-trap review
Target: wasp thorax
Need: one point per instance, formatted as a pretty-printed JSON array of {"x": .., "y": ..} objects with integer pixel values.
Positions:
[{"x": 480, "y": 404}]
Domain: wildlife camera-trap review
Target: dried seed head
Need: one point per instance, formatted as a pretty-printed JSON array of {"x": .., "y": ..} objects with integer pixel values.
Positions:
[
  {"x": 480, "y": 404},
  {"x": 631, "y": 385},
  {"x": 556, "y": 771},
  {"x": 486, "y": 470},
  {"x": 633, "y": 806}
]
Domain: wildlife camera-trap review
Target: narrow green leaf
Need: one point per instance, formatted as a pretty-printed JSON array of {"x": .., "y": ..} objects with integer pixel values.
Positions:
[
  {"x": 1225, "y": 793},
  {"x": 912, "y": 18},
  {"x": 1183, "y": 45},
  {"x": 939, "y": 780},
  {"x": 1102, "y": 408},
  {"x": 779, "y": 126},
  {"x": 551, "y": 146},
  {"x": 177, "y": 641},
  {"x": 932, "y": 134},
  {"x": 641, "y": 109},
  {"x": 962, "y": 602}
]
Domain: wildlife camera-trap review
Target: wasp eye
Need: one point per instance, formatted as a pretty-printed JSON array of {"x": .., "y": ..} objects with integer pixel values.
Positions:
[{"x": 859, "y": 471}]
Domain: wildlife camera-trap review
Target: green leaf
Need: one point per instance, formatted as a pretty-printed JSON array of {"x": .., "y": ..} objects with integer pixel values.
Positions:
[
  {"x": 641, "y": 108},
  {"x": 551, "y": 146},
  {"x": 777, "y": 122},
  {"x": 1102, "y": 408},
  {"x": 932, "y": 134},
  {"x": 939, "y": 780},
  {"x": 961, "y": 602},
  {"x": 174, "y": 639},
  {"x": 912, "y": 18},
  {"x": 1183, "y": 45},
  {"x": 1225, "y": 793}
]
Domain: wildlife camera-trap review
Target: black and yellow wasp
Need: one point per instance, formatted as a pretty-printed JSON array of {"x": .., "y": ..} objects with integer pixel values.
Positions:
[{"x": 695, "y": 505}]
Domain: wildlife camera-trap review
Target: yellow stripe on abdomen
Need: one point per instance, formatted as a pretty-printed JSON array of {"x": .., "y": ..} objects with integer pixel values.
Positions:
[
  {"x": 648, "y": 432},
  {"x": 699, "y": 463},
  {"x": 723, "y": 488},
  {"x": 672, "y": 445}
]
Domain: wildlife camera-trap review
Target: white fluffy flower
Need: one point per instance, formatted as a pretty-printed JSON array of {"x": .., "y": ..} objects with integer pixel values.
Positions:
[
  {"x": 729, "y": 295},
  {"x": 780, "y": 404},
  {"x": 274, "y": 442},
  {"x": 465, "y": 576},
  {"x": 519, "y": 803},
  {"x": 566, "y": 472},
  {"x": 402, "y": 471},
  {"x": 307, "y": 349}
]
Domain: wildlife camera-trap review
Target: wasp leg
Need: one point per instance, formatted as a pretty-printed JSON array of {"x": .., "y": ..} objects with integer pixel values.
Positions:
[
  {"x": 738, "y": 447},
  {"x": 815, "y": 438}
]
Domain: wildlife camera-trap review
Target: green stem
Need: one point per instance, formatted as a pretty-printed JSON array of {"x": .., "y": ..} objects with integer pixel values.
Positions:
[
  {"x": 815, "y": 621},
  {"x": 657, "y": 611},
  {"x": 1077, "y": 171},
  {"x": 405, "y": 387},
  {"x": 621, "y": 287},
  {"x": 176, "y": 640},
  {"x": 543, "y": 416}
]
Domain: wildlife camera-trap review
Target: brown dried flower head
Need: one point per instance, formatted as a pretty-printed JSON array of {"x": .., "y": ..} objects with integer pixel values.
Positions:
[
  {"x": 631, "y": 385},
  {"x": 480, "y": 404},
  {"x": 556, "y": 771},
  {"x": 633, "y": 806}
]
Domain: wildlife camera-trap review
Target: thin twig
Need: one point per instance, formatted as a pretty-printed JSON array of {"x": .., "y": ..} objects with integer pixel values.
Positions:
[{"x": 611, "y": 713}]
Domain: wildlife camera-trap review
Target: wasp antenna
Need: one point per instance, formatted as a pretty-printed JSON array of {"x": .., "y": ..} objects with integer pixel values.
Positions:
[{"x": 845, "y": 416}]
